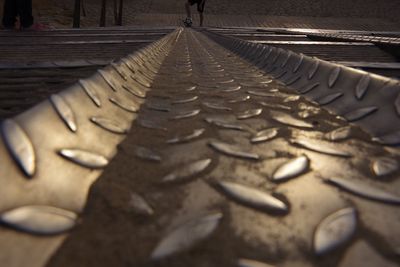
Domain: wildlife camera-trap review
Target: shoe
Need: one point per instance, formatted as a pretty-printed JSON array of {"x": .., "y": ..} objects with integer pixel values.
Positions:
[{"x": 188, "y": 22}]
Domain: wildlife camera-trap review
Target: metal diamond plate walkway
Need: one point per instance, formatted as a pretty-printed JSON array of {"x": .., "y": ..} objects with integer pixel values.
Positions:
[{"x": 210, "y": 151}]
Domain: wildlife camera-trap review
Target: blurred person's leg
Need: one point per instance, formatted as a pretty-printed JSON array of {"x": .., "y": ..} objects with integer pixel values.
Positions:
[
  {"x": 25, "y": 12},
  {"x": 200, "y": 9},
  {"x": 10, "y": 13},
  {"x": 188, "y": 20},
  {"x": 201, "y": 19},
  {"x": 188, "y": 11}
]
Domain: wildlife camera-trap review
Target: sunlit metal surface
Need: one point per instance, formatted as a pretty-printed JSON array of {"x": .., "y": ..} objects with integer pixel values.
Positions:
[{"x": 189, "y": 186}]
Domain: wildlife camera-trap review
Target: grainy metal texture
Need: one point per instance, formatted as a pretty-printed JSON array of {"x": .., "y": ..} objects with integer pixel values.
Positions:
[
  {"x": 317, "y": 223},
  {"x": 341, "y": 90},
  {"x": 41, "y": 140},
  {"x": 224, "y": 161}
]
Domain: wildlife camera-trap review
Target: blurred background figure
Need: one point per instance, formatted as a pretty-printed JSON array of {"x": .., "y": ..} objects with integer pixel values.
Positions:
[
  {"x": 200, "y": 8},
  {"x": 17, "y": 8},
  {"x": 19, "y": 11}
]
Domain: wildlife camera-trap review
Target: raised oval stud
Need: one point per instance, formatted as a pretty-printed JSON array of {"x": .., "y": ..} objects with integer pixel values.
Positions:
[
  {"x": 265, "y": 135},
  {"x": 335, "y": 230},
  {"x": 84, "y": 158},
  {"x": 232, "y": 150},
  {"x": 253, "y": 197},
  {"x": 365, "y": 190},
  {"x": 109, "y": 125},
  {"x": 188, "y": 171},
  {"x": 292, "y": 168},
  {"x": 64, "y": 111},
  {"x": 182, "y": 139},
  {"x": 40, "y": 220},
  {"x": 384, "y": 166},
  {"x": 20, "y": 146},
  {"x": 147, "y": 154},
  {"x": 187, "y": 235},
  {"x": 90, "y": 92}
]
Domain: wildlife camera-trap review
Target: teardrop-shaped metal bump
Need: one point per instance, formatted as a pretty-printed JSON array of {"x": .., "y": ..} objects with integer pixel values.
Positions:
[
  {"x": 123, "y": 105},
  {"x": 289, "y": 120},
  {"x": 308, "y": 88},
  {"x": 64, "y": 111},
  {"x": 365, "y": 190},
  {"x": 158, "y": 107},
  {"x": 291, "y": 169},
  {"x": 20, "y": 146},
  {"x": 110, "y": 83},
  {"x": 191, "y": 88},
  {"x": 135, "y": 91},
  {"x": 251, "y": 113},
  {"x": 335, "y": 230},
  {"x": 292, "y": 98},
  {"x": 385, "y": 166},
  {"x": 362, "y": 86},
  {"x": 142, "y": 80},
  {"x": 109, "y": 125},
  {"x": 85, "y": 158},
  {"x": 151, "y": 125},
  {"x": 340, "y": 134},
  {"x": 216, "y": 106},
  {"x": 390, "y": 139},
  {"x": 226, "y": 81},
  {"x": 140, "y": 205},
  {"x": 253, "y": 197},
  {"x": 252, "y": 263},
  {"x": 188, "y": 171},
  {"x": 231, "y": 88},
  {"x": 327, "y": 99},
  {"x": 261, "y": 93},
  {"x": 286, "y": 59},
  {"x": 232, "y": 150},
  {"x": 147, "y": 154},
  {"x": 265, "y": 135},
  {"x": 185, "y": 100},
  {"x": 298, "y": 64},
  {"x": 275, "y": 59},
  {"x": 181, "y": 139},
  {"x": 187, "y": 235},
  {"x": 120, "y": 71},
  {"x": 40, "y": 220},
  {"x": 313, "y": 69},
  {"x": 359, "y": 114},
  {"x": 239, "y": 99},
  {"x": 224, "y": 124},
  {"x": 320, "y": 147},
  {"x": 397, "y": 105},
  {"x": 334, "y": 76},
  {"x": 186, "y": 114},
  {"x": 90, "y": 92}
]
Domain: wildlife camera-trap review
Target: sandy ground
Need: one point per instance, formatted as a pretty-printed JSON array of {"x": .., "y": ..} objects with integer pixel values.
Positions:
[{"x": 59, "y": 13}]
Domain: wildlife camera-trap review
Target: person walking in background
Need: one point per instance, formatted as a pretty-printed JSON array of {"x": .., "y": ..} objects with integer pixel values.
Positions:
[
  {"x": 200, "y": 8},
  {"x": 21, "y": 9}
]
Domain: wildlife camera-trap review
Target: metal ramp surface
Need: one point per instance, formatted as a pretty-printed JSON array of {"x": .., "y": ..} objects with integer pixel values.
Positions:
[
  {"x": 33, "y": 65},
  {"x": 203, "y": 149}
]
